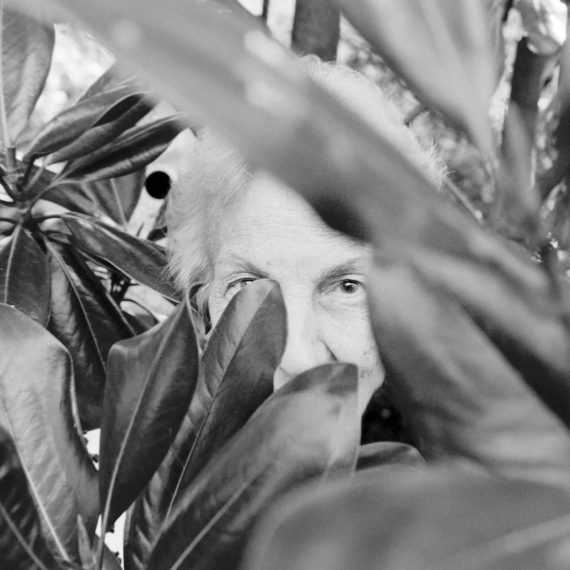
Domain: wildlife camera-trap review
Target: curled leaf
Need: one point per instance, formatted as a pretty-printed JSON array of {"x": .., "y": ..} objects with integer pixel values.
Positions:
[
  {"x": 70, "y": 124},
  {"x": 86, "y": 320},
  {"x": 150, "y": 382},
  {"x": 36, "y": 409},
  {"x": 139, "y": 259},
  {"x": 127, "y": 154}
]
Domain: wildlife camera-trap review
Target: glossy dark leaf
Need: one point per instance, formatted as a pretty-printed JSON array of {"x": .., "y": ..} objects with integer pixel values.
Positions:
[
  {"x": 129, "y": 153},
  {"x": 308, "y": 429},
  {"x": 449, "y": 63},
  {"x": 446, "y": 519},
  {"x": 150, "y": 382},
  {"x": 24, "y": 275},
  {"x": 460, "y": 396},
  {"x": 387, "y": 454},
  {"x": 70, "y": 124},
  {"x": 86, "y": 320},
  {"x": 114, "y": 122},
  {"x": 236, "y": 376},
  {"x": 141, "y": 260},
  {"x": 22, "y": 546},
  {"x": 27, "y": 47},
  {"x": 35, "y": 408},
  {"x": 113, "y": 197}
]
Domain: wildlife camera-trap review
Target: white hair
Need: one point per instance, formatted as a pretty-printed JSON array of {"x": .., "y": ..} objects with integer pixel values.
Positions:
[{"x": 216, "y": 173}]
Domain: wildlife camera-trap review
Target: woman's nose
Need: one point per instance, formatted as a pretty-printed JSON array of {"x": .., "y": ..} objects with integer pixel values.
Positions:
[{"x": 305, "y": 346}]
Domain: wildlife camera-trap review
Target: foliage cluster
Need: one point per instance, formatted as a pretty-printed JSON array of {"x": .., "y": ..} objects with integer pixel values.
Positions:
[{"x": 473, "y": 332}]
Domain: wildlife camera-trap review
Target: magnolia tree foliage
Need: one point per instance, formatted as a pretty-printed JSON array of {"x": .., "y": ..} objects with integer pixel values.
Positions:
[{"x": 195, "y": 445}]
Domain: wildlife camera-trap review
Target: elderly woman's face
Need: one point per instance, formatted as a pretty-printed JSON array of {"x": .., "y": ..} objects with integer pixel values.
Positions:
[{"x": 270, "y": 232}]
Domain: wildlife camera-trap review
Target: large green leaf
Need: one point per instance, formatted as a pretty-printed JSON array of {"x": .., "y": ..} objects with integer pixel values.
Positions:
[
  {"x": 86, "y": 320},
  {"x": 459, "y": 394},
  {"x": 150, "y": 382},
  {"x": 71, "y": 124},
  {"x": 308, "y": 429},
  {"x": 35, "y": 408},
  {"x": 236, "y": 376},
  {"x": 22, "y": 546},
  {"x": 129, "y": 153},
  {"x": 24, "y": 275},
  {"x": 446, "y": 519},
  {"x": 113, "y": 197},
  {"x": 141, "y": 260},
  {"x": 448, "y": 60},
  {"x": 27, "y": 47}
]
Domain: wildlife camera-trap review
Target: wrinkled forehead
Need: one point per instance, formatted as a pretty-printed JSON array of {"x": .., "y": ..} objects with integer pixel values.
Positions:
[{"x": 269, "y": 223}]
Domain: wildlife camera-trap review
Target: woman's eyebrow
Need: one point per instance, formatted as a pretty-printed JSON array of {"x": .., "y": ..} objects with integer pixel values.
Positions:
[
  {"x": 355, "y": 265},
  {"x": 235, "y": 263}
]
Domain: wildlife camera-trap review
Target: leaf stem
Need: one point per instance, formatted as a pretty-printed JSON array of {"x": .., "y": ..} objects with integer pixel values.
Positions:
[
  {"x": 265, "y": 10},
  {"x": 455, "y": 191},
  {"x": 124, "y": 221},
  {"x": 6, "y": 142},
  {"x": 7, "y": 188},
  {"x": 28, "y": 171}
]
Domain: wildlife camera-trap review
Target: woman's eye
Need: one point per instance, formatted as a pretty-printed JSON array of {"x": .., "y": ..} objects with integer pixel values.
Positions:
[
  {"x": 350, "y": 287},
  {"x": 239, "y": 284}
]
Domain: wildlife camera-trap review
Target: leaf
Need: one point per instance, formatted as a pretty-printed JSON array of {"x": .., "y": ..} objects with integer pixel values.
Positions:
[
  {"x": 387, "y": 454},
  {"x": 129, "y": 153},
  {"x": 25, "y": 275},
  {"x": 35, "y": 408},
  {"x": 27, "y": 47},
  {"x": 236, "y": 376},
  {"x": 140, "y": 260},
  {"x": 449, "y": 63},
  {"x": 22, "y": 545},
  {"x": 150, "y": 382},
  {"x": 115, "y": 121},
  {"x": 113, "y": 197},
  {"x": 86, "y": 320},
  {"x": 460, "y": 396},
  {"x": 308, "y": 429},
  {"x": 443, "y": 519},
  {"x": 70, "y": 124}
]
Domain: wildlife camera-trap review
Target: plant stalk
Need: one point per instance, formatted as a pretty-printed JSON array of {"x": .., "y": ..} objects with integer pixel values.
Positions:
[{"x": 6, "y": 142}]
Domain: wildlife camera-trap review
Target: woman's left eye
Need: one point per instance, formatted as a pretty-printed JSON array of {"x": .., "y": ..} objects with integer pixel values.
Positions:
[{"x": 350, "y": 287}]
